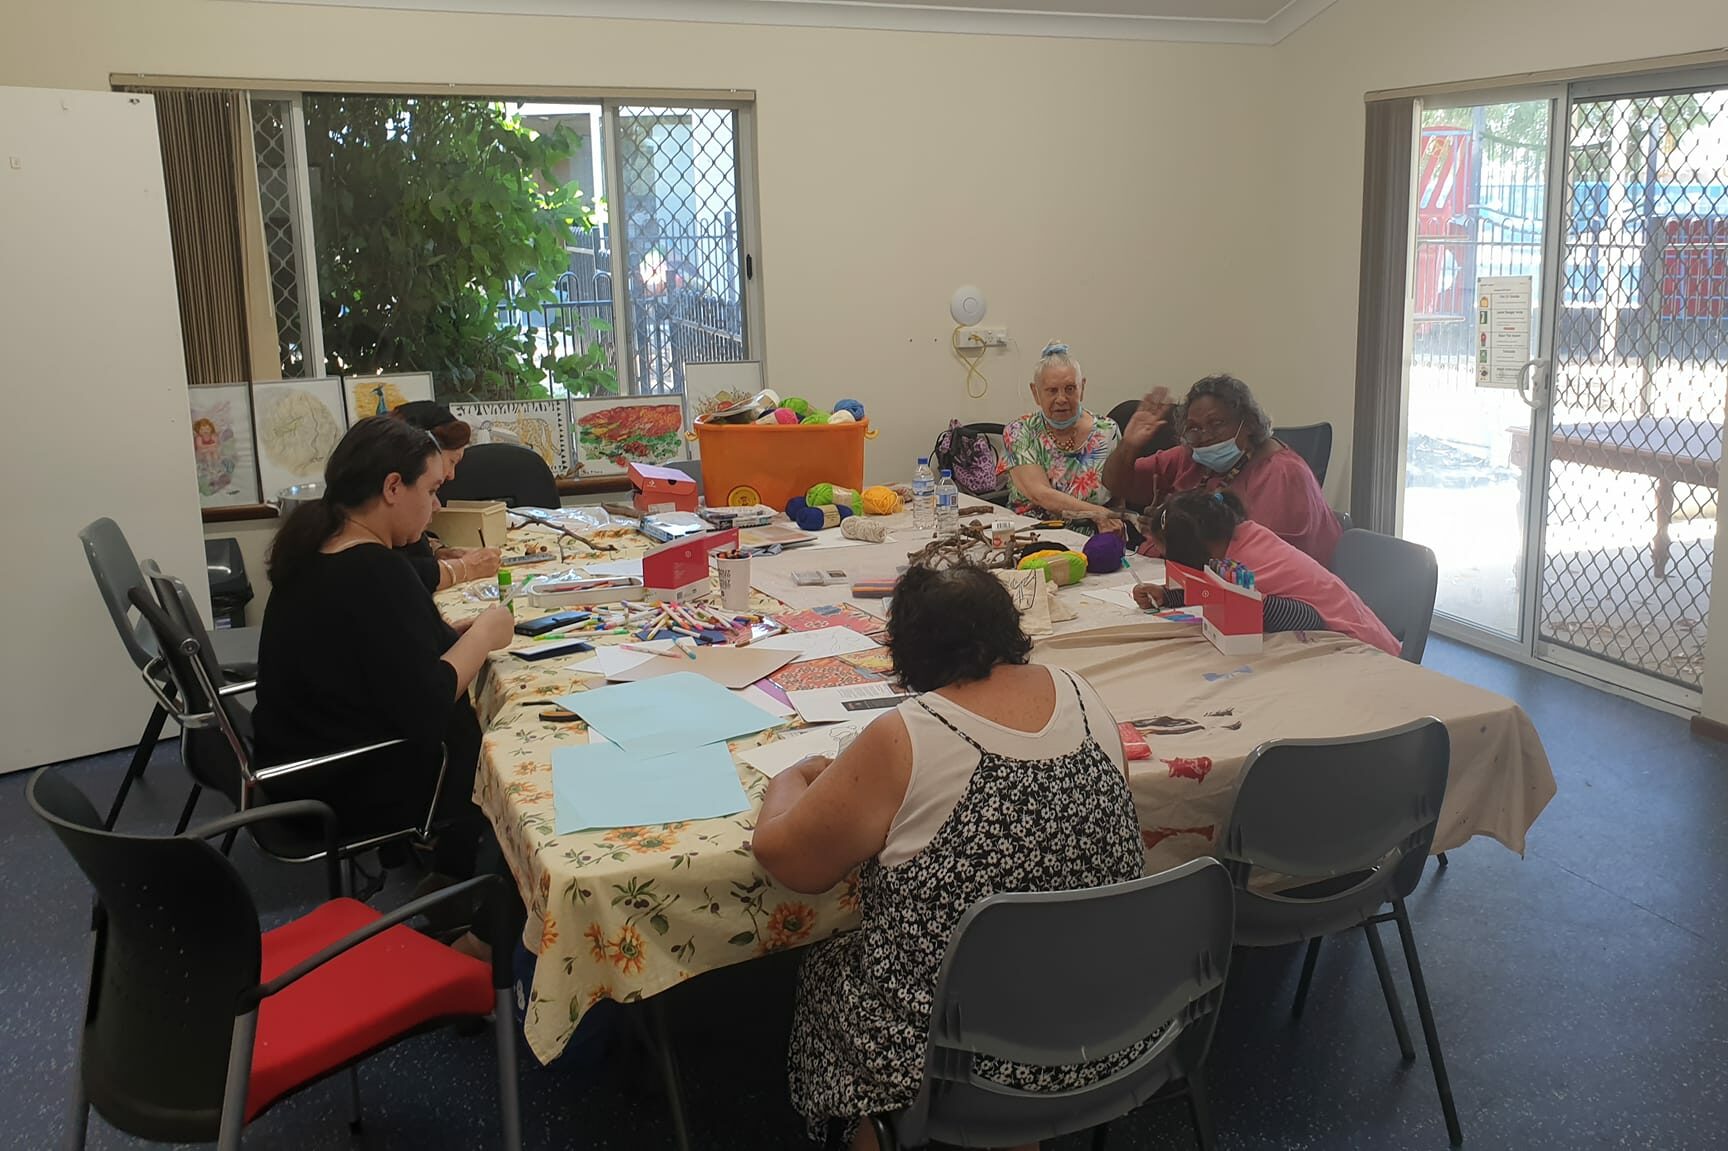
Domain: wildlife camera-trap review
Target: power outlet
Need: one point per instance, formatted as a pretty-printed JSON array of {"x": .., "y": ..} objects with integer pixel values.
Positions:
[{"x": 977, "y": 338}]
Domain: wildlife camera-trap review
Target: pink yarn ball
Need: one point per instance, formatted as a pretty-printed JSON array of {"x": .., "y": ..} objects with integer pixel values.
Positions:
[{"x": 785, "y": 416}]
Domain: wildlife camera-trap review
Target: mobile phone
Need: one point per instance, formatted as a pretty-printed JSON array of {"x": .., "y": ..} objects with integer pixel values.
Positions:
[
  {"x": 551, "y": 622},
  {"x": 551, "y": 650}
]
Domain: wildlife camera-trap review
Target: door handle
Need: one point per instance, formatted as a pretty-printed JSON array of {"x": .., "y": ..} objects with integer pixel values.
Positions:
[{"x": 1525, "y": 373}]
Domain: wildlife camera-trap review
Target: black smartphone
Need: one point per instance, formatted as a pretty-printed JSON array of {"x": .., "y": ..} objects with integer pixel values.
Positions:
[
  {"x": 551, "y": 622},
  {"x": 551, "y": 649}
]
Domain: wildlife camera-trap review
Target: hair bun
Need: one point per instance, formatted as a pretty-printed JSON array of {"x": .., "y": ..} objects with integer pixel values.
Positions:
[{"x": 1054, "y": 348}]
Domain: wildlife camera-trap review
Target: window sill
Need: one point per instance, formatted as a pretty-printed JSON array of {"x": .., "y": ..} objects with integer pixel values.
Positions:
[{"x": 593, "y": 486}]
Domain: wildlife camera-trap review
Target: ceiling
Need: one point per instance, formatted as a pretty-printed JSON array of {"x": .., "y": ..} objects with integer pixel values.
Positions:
[{"x": 1220, "y": 21}]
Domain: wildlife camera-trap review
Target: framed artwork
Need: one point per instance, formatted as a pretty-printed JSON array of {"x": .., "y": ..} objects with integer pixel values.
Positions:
[
  {"x": 543, "y": 425},
  {"x": 375, "y": 395},
  {"x": 608, "y": 433},
  {"x": 298, "y": 424},
  {"x": 222, "y": 445}
]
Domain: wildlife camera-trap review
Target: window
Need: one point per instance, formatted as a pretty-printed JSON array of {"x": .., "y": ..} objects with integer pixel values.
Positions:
[{"x": 515, "y": 250}]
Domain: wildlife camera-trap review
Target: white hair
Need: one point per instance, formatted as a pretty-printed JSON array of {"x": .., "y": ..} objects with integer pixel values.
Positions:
[{"x": 1055, "y": 352}]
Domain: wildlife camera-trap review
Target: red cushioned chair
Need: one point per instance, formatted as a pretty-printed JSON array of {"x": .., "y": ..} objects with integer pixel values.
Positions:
[{"x": 198, "y": 1021}]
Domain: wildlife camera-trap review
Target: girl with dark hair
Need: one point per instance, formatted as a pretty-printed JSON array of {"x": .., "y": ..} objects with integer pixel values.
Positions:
[
  {"x": 1200, "y": 528},
  {"x": 1227, "y": 443},
  {"x": 438, "y": 566},
  {"x": 353, "y": 651},
  {"x": 998, "y": 776}
]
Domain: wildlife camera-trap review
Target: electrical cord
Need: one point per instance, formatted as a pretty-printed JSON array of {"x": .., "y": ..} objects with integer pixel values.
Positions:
[{"x": 971, "y": 366}]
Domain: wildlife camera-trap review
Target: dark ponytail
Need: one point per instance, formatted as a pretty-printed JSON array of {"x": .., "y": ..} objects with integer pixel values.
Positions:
[
  {"x": 372, "y": 450},
  {"x": 1187, "y": 524}
]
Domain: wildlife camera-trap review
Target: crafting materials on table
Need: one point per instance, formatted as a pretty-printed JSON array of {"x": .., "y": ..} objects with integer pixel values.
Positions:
[
  {"x": 776, "y": 756},
  {"x": 1060, "y": 567},
  {"x": 879, "y": 501},
  {"x": 838, "y": 704},
  {"x": 728, "y": 665},
  {"x": 870, "y": 531},
  {"x": 732, "y": 574},
  {"x": 675, "y": 651},
  {"x": 874, "y": 588},
  {"x": 1105, "y": 552},
  {"x": 605, "y": 785},
  {"x": 667, "y": 714},
  {"x": 819, "y": 644}
]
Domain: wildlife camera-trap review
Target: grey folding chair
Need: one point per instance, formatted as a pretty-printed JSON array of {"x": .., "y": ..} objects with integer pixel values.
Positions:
[
  {"x": 1162, "y": 950},
  {"x": 216, "y": 746},
  {"x": 1351, "y": 821},
  {"x": 116, "y": 569},
  {"x": 1396, "y": 578},
  {"x": 1313, "y": 442}
]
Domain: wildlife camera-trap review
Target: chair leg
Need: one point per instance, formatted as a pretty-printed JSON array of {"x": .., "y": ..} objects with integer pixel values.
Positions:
[
  {"x": 1444, "y": 862},
  {"x": 356, "y": 1120},
  {"x": 1100, "y": 1136},
  {"x": 1307, "y": 975},
  {"x": 140, "y": 760},
  {"x": 186, "y": 812},
  {"x": 239, "y": 1077},
  {"x": 662, "y": 1039},
  {"x": 509, "y": 1097},
  {"x": 1425, "y": 1011},
  {"x": 1200, "y": 1111},
  {"x": 1390, "y": 990},
  {"x": 78, "y": 1119},
  {"x": 885, "y": 1138},
  {"x": 228, "y": 841}
]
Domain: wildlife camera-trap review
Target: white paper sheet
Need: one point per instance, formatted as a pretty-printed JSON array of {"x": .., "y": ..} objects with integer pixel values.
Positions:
[
  {"x": 775, "y": 757},
  {"x": 615, "y": 568},
  {"x": 615, "y": 659},
  {"x": 838, "y": 704},
  {"x": 1115, "y": 596},
  {"x": 818, "y": 644}
]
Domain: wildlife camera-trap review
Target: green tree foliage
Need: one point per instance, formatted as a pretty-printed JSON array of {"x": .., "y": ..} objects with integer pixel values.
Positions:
[{"x": 428, "y": 214}]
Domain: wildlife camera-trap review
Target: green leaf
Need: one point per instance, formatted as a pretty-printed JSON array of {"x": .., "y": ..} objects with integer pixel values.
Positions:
[
  {"x": 659, "y": 923},
  {"x": 742, "y": 939}
]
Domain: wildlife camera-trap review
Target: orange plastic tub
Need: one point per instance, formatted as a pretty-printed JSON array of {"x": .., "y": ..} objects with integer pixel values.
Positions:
[{"x": 770, "y": 463}]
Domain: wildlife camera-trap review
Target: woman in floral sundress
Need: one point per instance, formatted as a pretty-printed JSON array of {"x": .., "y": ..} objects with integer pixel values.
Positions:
[
  {"x": 999, "y": 776},
  {"x": 1056, "y": 454}
]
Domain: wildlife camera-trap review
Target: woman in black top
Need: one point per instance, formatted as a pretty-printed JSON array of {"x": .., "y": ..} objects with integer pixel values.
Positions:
[
  {"x": 353, "y": 650},
  {"x": 437, "y": 566}
]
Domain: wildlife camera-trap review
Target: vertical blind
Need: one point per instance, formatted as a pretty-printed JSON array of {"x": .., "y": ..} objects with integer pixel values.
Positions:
[{"x": 1377, "y": 439}]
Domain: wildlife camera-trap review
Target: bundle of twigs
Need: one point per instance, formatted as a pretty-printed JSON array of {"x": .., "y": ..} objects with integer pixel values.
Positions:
[{"x": 973, "y": 545}]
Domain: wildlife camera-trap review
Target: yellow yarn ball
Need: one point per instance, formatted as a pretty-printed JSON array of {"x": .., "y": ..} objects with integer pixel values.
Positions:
[
  {"x": 879, "y": 501},
  {"x": 1059, "y": 567}
]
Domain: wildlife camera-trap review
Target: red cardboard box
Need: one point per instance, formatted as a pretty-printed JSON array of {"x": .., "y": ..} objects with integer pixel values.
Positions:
[
  {"x": 657, "y": 489},
  {"x": 1232, "y": 617},
  {"x": 678, "y": 571}
]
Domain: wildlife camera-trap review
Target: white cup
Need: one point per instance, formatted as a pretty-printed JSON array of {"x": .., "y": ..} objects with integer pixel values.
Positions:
[{"x": 734, "y": 579}]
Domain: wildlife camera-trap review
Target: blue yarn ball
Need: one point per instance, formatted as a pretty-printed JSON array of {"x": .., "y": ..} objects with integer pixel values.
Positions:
[
  {"x": 845, "y": 511},
  {"x": 795, "y": 505},
  {"x": 808, "y": 518},
  {"x": 852, "y": 406}
]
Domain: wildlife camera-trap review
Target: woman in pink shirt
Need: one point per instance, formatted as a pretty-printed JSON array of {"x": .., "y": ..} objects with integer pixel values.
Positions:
[
  {"x": 1200, "y": 528},
  {"x": 1226, "y": 443}
]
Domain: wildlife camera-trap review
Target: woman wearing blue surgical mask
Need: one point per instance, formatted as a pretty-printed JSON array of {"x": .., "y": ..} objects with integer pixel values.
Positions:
[
  {"x": 1056, "y": 454},
  {"x": 1227, "y": 442}
]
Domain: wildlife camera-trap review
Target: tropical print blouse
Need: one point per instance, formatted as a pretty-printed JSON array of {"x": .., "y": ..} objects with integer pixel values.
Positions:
[{"x": 1080, "y": 472}]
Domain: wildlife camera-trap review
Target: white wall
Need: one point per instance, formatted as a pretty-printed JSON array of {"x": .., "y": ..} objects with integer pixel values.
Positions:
[{"x": 1089, "y": 187}]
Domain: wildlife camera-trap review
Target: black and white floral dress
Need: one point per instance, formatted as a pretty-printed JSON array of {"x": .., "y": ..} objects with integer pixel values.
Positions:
[{"x": 863, "y": 1009}]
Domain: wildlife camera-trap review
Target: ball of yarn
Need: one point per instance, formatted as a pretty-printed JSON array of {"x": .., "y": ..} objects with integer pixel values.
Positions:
[
  {"x": 1059, "y": 567},
  {"x": 815, "y": 418},
  {"x": 879, "y": 501},
  {"x": 841, "y": 418},
  {"x": 1104, "y": 553},
  {"x": 816, "y": 519},
  {"x": 795, "y": 505},
  {"x": 852, "y": 407},
  {"x": 797, "y": 405},
  {"x": 858, "y": 528},
  {"x": 785, "y": 416},
  {"x": 819, "y": 495}
]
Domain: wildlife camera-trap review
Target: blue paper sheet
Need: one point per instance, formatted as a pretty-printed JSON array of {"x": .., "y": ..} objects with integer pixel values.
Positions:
[
  {"x": 668, "y": 713},
  {"x": 602, "y": 785}
]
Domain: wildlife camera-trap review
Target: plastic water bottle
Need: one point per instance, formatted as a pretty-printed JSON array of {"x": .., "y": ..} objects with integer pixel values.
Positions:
[
  {"x": 923, "y": 496},
  {"x": 947, "y": 505}
]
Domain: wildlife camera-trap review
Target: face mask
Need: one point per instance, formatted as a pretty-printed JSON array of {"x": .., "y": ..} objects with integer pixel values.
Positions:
[
  {"x": 1064, "y": 425},
  {"x": 1218, "y": 457}
]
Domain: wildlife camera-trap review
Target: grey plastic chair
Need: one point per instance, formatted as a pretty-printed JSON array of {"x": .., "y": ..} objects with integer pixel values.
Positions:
[
  {"x": 1353, "y": 820},
  {"x": 1397, "y": 579},
  {"x": 215, "y": 745},
  {"x": 1161, "y": 952},
  {"x": 1313, "y": 442},
  {"x": 508, "y": 472},
  {"x": 116, "y": 569}
]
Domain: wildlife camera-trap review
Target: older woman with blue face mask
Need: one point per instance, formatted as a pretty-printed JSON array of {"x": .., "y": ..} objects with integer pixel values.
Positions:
[
  {"x": 1227, "y": 443},
  {"x": 1056, "y": 454}
]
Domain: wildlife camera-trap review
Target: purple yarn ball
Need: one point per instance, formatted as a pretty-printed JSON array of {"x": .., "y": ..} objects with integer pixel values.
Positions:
[{"x": 1104, "y": 553}]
